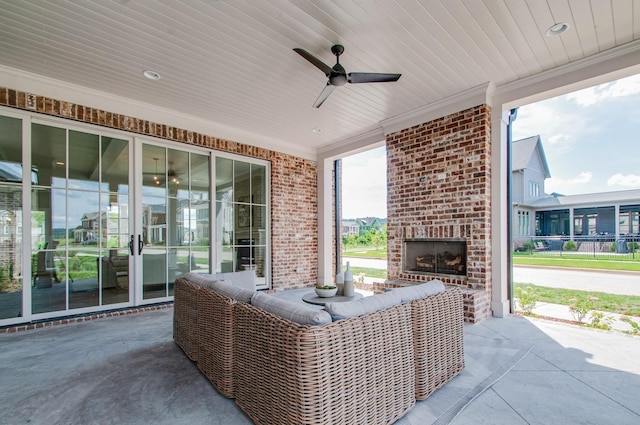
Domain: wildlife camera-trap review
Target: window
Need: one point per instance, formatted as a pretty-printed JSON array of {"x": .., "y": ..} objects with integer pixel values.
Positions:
[
  {"x": 534, "y": 189},
  {"x": 523, "y": 223}
]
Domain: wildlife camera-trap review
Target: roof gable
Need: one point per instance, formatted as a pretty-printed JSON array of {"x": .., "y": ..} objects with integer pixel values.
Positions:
[{"x": 522, "y": 152}]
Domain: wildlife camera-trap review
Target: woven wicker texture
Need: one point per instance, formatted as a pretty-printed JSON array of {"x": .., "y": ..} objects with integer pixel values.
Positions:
[
  {"x": 354, "y": 371},
  {"x": 215, "y": 338},
  {"x": 185, "y": 317},
  {"x": 437, "y": 323}
]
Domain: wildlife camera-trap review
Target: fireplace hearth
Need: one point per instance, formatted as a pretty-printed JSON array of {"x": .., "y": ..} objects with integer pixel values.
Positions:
[{"x": 435, "y": 256}]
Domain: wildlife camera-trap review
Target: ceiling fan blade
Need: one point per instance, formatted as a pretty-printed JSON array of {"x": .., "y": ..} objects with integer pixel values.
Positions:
[
  {"x": 328, "y": 89},
  {"x": 315, "y": 61},
  {"x": 371, "y": 77}
]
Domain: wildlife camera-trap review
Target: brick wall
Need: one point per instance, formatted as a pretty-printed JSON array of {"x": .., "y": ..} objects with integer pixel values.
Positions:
[
  {"x": 439, "y": 186},
  {"x": 293, "y": 181}
]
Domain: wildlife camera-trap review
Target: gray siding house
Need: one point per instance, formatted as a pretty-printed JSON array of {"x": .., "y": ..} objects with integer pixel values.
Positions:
[{"x": 538, "y": 215}]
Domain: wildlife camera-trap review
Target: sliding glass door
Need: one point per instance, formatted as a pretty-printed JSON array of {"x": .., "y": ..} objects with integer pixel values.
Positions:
[
  {"x": 175, "y": 209},
  {"x": 92, "y": 220},
  {"x": 80, "y": 227}
]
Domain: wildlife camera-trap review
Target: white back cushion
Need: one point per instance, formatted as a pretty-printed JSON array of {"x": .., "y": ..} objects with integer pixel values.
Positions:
[
  {"x": 339, "y": 311},
  {"x": 244, "y": 279},
  {"x": 293, "y": 311},
  {"x": 410, "y": 293}
]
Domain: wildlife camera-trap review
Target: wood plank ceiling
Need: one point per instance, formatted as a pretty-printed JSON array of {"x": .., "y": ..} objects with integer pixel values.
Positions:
[{"x": 231, "y": 62}]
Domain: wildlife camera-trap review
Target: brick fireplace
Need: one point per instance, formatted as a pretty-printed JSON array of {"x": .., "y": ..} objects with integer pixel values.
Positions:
[
  {"x": 435, "y": 256},
  {"x": 439, "y": 188}
]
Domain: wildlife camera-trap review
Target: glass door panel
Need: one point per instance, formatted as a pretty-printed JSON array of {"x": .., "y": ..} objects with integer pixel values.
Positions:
[
  {"x": 11, "y": 261},
  {"x": 224, "y": 237},
  {"x": 48, "y": 212},
  {"x": 175, "y": 224},
  {"x": 80, "y": 220},
  {"x": 154, "y": 254},
  {"x": 85, "y": 222},
  {"x": 11, "y": 256},
  {"x": 241, "y": 218},
  {"x": 180, "y": 218}
]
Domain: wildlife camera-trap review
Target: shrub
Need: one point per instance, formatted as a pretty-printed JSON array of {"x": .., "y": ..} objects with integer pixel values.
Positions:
[
  {"x": 570, "y": 246},
  {"x": 528, "y": 246},
  {"x": 527, "y": 299},
  {"x": 635, "y": 326},
  {"x": 580, "y": 306},
  {"x": 600, "y": 321}
]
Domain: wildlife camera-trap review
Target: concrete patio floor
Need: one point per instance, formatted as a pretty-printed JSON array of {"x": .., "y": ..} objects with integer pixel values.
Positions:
[{"x": 127, "y": 370}]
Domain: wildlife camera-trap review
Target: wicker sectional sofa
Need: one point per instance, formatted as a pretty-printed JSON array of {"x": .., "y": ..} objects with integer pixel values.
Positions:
[{"x": 287, "y": 363}]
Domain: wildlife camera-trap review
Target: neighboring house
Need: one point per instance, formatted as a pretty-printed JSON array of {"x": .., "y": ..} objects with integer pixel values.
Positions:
[
  {"x": 368, "y": 223},
  {"x": 350, "y": 227},
  {"x": 360, "y": 226},
  {"x": 536, "y": 213}
]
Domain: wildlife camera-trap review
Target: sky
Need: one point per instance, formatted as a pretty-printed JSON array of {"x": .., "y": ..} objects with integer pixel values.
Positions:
[
  {"x": 591, "y": 140},
  {"x": 364, "y": 184}
]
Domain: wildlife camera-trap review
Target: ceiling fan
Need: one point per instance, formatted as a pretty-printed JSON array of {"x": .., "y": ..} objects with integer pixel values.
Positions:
[{"x": 339, "y": 77}]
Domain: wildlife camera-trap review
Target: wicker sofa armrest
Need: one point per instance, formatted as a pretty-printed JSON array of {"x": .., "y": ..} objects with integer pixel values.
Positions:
[
  {"x": 185, "y": 316},
  {"x": 357, "y": 370},
  {"x": 216, "y": 338},
  {"x": 437, "y": 324}
]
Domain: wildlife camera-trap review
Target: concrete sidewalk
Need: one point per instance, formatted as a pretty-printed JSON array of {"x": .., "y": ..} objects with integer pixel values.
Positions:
[{"x": 561, "y": 312}]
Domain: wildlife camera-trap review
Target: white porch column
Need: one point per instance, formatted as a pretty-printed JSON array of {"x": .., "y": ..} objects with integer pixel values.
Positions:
[
  {"x": 571, "y": 224},
  {"x": 499, "y": 244},
  {"x": 325, "y": 222},
  {"x": 616, "y": 217}
]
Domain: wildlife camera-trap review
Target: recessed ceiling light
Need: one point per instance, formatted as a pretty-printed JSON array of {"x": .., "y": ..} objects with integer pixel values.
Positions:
[
  {"x": 317, "y": 130},
  {"x": 152, "y": 75},
  {"x": 557, "y": 29}
]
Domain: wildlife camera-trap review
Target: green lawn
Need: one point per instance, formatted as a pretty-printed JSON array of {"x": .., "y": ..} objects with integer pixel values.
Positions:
[
  {"x": 576, "y": 263},
  {"x": 621, "y": 304},
  {"x": 375, "y": 273},
  {"x": 366, "y": 252}
]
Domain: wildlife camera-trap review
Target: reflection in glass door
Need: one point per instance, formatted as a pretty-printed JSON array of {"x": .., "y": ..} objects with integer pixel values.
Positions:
[
  {"x": 241, "y": 218},
  {"x": 175, "y": 217},
  {"x": 11, "y": 261},
  {"x": 79, "y": 219}
]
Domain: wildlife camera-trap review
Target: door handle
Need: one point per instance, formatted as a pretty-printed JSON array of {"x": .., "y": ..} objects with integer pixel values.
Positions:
[
  {"x": 140, "y": 244},
  {"x": 131, "y": 245}
]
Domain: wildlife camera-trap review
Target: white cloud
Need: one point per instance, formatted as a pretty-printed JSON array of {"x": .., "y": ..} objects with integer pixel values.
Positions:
[
  {"x": 364, "y": 183},
  {"x": 556, "y": 138},
  {"x": 630, "y": 180},
  {"x": 555, "y": 184},
  {"x": 550, "y": 120},
  {"x": 620, "y": 88}
]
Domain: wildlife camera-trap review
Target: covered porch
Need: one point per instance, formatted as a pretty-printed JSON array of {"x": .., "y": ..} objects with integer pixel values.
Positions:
[{"x": 218, "y": 85}]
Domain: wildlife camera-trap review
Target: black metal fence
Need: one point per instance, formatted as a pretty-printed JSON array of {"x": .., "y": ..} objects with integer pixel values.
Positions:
[{"x": 600, "y": 246}]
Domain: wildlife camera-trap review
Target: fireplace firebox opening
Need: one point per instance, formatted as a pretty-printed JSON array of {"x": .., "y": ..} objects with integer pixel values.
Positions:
[{"x": 435, "y": 256}]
